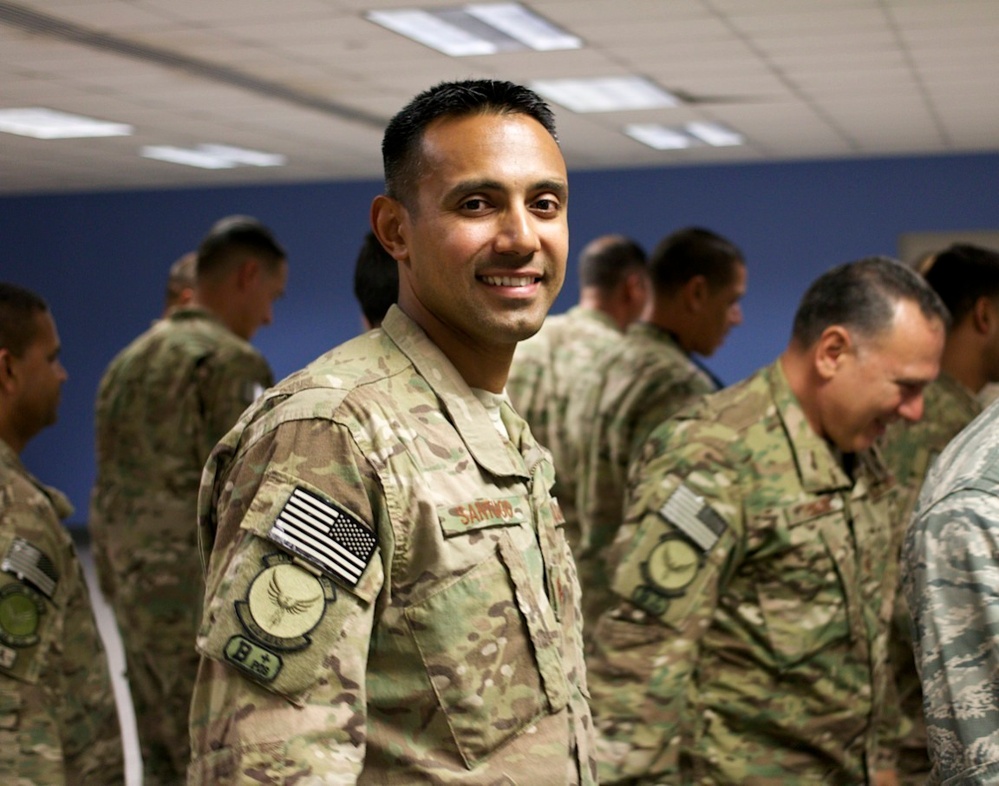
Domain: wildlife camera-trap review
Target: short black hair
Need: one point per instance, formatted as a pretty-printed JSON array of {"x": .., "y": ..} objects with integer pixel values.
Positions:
[
  {"x": 18, "y": 327},
  {"x": 401, "y": 142},
  {"x": 693, "y": 251},
  {"x": 961, "y": 274},
  {"x": 232, "y": 239},
  {"x": 376, "y": 280},
  {"x": 606, "y": 261},
  {"x": 862, "y": 297}
]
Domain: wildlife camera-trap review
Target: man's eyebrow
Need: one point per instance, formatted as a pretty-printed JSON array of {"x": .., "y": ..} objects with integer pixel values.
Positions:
[{"x": 560, "y": 187}]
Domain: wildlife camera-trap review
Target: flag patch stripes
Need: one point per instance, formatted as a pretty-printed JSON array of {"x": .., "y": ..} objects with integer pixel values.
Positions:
[
  {"x": 30, "y": 564},
  {"x": 696, "y": 519},
  {"x": 325, "y": 535}
]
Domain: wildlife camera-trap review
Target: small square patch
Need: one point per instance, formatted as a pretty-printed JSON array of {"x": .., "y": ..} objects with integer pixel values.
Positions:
[{"x": 694, "y": 517}]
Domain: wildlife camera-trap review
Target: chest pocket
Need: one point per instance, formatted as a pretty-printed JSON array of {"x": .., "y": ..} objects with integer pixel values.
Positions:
[
  {"x": 805, "y": 585},
  {"x": 489, "y": 641}
]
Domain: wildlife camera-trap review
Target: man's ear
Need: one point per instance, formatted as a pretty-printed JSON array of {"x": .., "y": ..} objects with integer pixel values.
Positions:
[
  {"x": 389, "y": 222},
  {"x": 696, "y": 292},
  {"x": 832, "y": 350},
  {"x": 7, "y": 378},
  {"x": 983, "y": 315},
  {"x": 247, "y": 272}
]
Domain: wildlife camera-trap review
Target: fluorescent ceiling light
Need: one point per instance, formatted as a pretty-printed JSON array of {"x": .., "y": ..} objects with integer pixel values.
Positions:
[
  {"x": 663, "y": 137},
  {"x": 41, "y": 123},
  {"x": 605, "y": 94},
  {"x": 212, "y": 156},
  {"x": 715, "y": 134},
  {"x": 658, "y": 137},
  {"x": 525, "y": 26},
  {"x": 481, "y": 29}
]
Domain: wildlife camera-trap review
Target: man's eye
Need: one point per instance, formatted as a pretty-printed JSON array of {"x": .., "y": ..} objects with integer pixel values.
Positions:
[
  {"x": 546, "y": 205},
  {"x": 474, "y": 204}
]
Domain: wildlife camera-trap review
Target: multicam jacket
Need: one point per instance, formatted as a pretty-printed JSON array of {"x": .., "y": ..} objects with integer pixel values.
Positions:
[
  {"x": 58, "y": 722},
  {"x": 951, "y": 582},
  {"x": 390, "y": 596},
  {"x": 749, "y": 642},
  {"x": 544, "y": 384},
  {"x": 634, "y": 386}
]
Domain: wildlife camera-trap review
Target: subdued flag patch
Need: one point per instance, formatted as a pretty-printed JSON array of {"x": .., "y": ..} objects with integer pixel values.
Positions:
[
  {"x": 30, "y": 564},
  {"x": 696, "y": 519},
  {"x": 325, "y": 535}
]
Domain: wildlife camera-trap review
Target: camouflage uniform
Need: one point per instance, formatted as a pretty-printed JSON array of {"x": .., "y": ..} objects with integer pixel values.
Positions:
[
  {"x": 390, "y": 596},
  {"x": 951, "y": 581},
  {"x": 545, "y": 381},
  {"x": 58, "y": 721},
  {"x": 162, "y": 405},
  {"x": 752, "y": 644},
  {"x": 909, "y": 449},
  {"x": 634, "y": 387}
]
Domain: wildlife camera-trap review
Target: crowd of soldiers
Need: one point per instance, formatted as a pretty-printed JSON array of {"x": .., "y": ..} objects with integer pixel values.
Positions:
[{"x": 474, "y": 545}]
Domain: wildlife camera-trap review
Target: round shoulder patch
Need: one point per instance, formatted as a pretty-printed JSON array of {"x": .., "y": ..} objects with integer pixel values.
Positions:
[
  {"x": 283, "y": 603},
  {"x": 20, "y": 613},
  {"x": 672, "y": 565}
]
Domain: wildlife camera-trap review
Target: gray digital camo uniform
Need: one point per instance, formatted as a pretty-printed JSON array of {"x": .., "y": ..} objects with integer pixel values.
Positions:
[
  {"x": 909, "y": 449},
  {"x": 950, "y": 565},
  {"x": 390, "y": 596},
  {"x": 751, "y": 644},
  {"x": 634, "y": 386},
  {"x": 545, "y": 381},
  {"x": 163, "y": 404},
  {"x": 58, "y": 721}
]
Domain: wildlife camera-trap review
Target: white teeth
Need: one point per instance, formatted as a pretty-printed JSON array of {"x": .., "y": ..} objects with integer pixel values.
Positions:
[{"x": 509, "y": 281}]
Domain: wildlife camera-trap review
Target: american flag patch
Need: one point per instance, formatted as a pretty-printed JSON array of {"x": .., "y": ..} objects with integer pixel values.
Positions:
[
  {"x": 325, "y": 535},
  {"x": 696, "y": 519},
  {"x": 30, "y": 564}
]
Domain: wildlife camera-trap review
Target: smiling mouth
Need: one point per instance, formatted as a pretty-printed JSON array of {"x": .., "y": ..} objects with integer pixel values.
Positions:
[{"x": 510, "y": 281}]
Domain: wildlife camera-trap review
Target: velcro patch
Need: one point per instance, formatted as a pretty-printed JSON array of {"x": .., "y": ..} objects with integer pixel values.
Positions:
[
  {"x": 29, "y": 564},
  {"x": 325, "y": 535},
  {"x": 696, "y": 519}
]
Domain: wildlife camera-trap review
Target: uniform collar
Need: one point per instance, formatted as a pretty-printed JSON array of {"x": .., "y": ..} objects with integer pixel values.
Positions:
[
  {"x": 819, "y": 464},
  {"x": 463, "y": 409}
]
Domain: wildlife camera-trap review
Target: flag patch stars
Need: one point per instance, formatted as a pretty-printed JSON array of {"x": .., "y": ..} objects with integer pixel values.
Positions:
[{"x": 325, "y": 535}]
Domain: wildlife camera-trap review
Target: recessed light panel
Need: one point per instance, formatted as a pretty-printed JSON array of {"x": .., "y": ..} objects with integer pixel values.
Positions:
[
  {"x": 209, "y": 156},
  {"x": 658, "y": 136},
  {"x": 42, "y": 123},
  {"x": 605, "y": 94}
]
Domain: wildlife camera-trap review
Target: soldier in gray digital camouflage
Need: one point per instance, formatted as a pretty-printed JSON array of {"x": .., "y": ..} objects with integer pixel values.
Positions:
[
  {"x": 391, "y": 598},
  {"x": 58, "y": 720},
  {"x": 950, "y": 573},
  {"x": 162, "y": 405},
  {"x": 967, "y": 279},
  {"x": 548, "y": 367},
  {"x": 698, "y": 279},
  {"x": 748, "y": 644}
]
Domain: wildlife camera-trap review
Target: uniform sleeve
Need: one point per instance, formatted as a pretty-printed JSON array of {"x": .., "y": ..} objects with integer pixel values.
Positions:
[
  {"x": 292, "y": 585},
  {"x": 677, "y": 547},
  {"x": 951, "y": 582},
  {"x": 228, "y": 382}
]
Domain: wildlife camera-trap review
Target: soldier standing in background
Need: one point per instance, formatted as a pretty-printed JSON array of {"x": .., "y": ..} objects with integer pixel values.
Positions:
[
  {"x": 376, "y": 281},
  {"x": 59, "y": 721},
  {"x": 749, "y": 641},
  {"x": 698, "y": 279},
  {"x": 390, "y": 595},
  {"x": 967, "y": 279},
  {"x": 163, "y": 403},
  {"x": 547, "y": 368}
]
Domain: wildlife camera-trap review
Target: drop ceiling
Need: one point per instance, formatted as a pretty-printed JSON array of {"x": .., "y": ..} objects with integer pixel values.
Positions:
[{"x": 314, "y": 81}]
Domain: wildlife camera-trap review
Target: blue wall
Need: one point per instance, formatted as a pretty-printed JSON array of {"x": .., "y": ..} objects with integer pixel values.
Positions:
[{"x": 100, "y": 259}]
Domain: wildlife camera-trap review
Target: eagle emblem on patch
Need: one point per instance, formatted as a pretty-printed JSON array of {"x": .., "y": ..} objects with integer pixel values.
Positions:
[{"x": 284, "y": 602}]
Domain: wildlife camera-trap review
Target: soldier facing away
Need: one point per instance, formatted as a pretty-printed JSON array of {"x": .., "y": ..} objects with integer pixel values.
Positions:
[
  {"x": 163, "y": 403},
  {"x": 391, "y": 598},
  {"x": 749, "y": 641},
  {"x": 59, "y": 721}
]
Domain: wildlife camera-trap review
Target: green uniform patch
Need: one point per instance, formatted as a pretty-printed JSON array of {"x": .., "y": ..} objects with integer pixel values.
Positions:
[
  {"x": 20, "y": 613},
  {"x": 672, "y": 565}
]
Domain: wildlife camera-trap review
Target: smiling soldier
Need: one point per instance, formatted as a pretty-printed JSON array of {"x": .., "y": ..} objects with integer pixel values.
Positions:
[{"x": 390, "y": 597}]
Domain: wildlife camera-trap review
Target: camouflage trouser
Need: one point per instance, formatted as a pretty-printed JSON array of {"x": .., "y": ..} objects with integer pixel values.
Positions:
[{"x": 158, "y": 622}]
